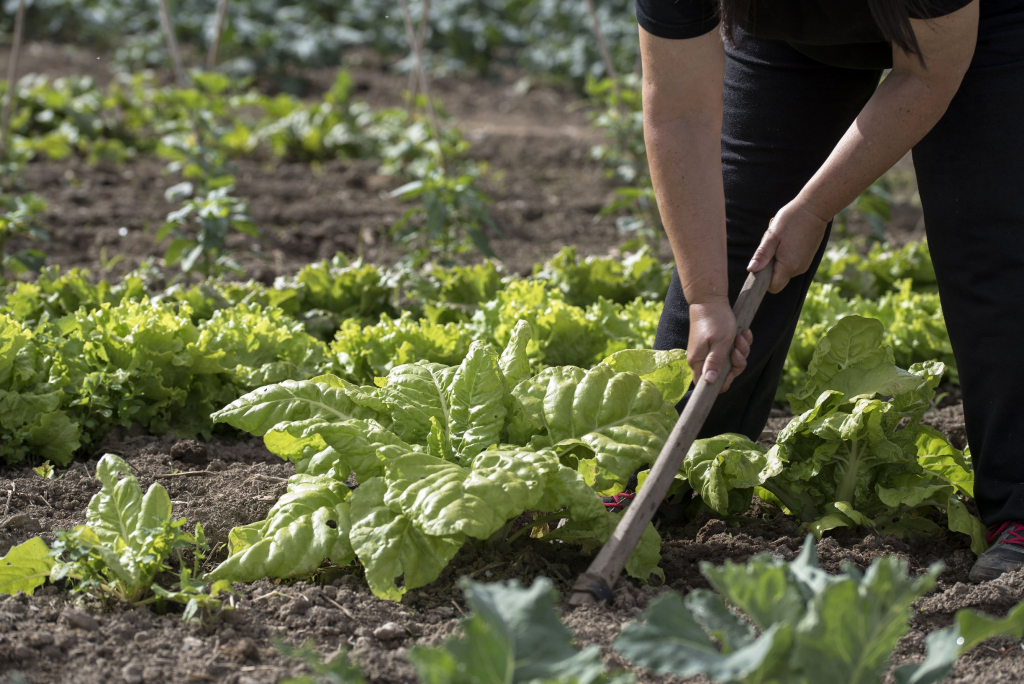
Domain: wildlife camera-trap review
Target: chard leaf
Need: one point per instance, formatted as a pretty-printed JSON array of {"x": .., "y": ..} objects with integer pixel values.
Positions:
[
  {"x": 25, "y": 567},
  {"x": 119, "y": 513},
  {"x": 619, "y": 418},
  {"x": 390, "y": 547},
  {"x": 512, "y": 636},
  {"x": 415, "y": 393},
  {"x": 940, "y": 458},
  {"x": 666, "y": 370},
  {"x": 309, "y": 523},
  {"x": 716, "y": 466},
  {"x": 335, "y": 449},
  {"x": 514, "y": 362},
  {"x": 671, "y": 639},
  {"x": 851, "y": 359},
  {"x": 476, "y": 400},
  {"x": 330, "y": 400},
  {"x": 961, "y": 520}
]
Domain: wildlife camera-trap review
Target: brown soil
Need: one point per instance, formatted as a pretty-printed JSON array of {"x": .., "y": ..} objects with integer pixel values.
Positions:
[{"x": 546, "y": 191}]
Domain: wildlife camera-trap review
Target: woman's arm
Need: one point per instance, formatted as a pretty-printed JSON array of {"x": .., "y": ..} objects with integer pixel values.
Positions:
[
  {"x": 682, "y": 99},
  {"x": 907, "y": 104}
]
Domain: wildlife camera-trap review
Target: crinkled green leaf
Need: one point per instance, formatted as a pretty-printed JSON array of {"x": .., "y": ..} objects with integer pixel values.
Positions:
[
  {"x": 390, "y": 547},
  {"x": 308, "y": 524},
  {"x": 335, "y": 448},
  {"x": 622, "y": 420},
  {"x": 666, "y": 370},
  {"x": 476, "y": 401},
  {"x": 25, "y": 567},
  {"x": 260, "y": 410},
  {"x": 717, "y": 465},
  {"x": 415, "y": 393},
  {"x": 942, "y": 459},
  {"x": 514, "y": 362}
]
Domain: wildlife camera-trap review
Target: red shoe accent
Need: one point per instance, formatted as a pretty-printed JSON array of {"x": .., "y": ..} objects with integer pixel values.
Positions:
[
  {"x": 619, "y": 501},
  {"x": 1014, "y": 533}
]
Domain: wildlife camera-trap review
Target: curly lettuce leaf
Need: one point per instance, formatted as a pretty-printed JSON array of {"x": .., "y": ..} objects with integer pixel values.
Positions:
[{"x": 725, "y": 469}]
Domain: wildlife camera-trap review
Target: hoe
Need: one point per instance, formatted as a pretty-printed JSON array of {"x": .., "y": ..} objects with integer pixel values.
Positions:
[{"x": 596, "y": 583}]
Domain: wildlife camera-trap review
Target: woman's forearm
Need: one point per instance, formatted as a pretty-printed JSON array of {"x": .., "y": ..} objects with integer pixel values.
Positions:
[
  {"x": 906, "y": 105},
  {"x": 686, "y": 167},
  {"x": 898, "y": 115}
]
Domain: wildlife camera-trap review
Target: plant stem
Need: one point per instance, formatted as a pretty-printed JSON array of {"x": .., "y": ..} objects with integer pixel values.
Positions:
[
  {"x": 421, "y": 36},
  {"x": 418, "y": 57},
  {"x": 538, "y": 521},
  {"x": 222, "y": 13},
  {"x": 172, "y": 44},
  {"x": 848, "y": 485},
  {"x": 12, "y": 74}
]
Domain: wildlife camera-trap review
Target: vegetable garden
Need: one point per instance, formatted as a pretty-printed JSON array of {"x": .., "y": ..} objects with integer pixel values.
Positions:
[{"x": 317, "y": 358}]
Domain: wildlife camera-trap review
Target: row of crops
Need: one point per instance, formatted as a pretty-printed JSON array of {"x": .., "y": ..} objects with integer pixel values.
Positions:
[{"x": 273, "y": 38}]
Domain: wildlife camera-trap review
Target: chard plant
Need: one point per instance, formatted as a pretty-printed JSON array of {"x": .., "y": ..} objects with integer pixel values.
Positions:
[
  {"x": 801, "y": 625},
  {"x": 447, "y": 454},
  {"x": 126, "y": 541},
  {"x": 856, "y": 453}
]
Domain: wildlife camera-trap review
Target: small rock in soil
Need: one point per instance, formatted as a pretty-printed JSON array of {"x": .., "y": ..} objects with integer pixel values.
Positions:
[
  {"x": 40, "y": 639},
  {"x": 191, "y": 643},
  {"x": 22, "y": 653},
  {"x": 80, "y": 620},
  {"x": 132, "y": 672},
  {"x": 189, "y": 451},
  {"x": 390, "y": 631}
]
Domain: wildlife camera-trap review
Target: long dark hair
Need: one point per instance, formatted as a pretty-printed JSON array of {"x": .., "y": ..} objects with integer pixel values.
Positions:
[{"x": 892, "y": 17}]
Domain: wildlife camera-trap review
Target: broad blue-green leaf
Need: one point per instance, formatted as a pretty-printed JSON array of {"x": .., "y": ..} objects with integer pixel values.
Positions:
[
  {"x": 974, "y": 627},
  {"x": 512, "y": 636},
  {"x": 308, "y": 524},
  {"x": 670, "y": 640},
  {"x": 852, "y": 627},
  {"x": 389, "y": 546},
  {"x": 762, "y": 588},
  {"x": 618, "y": 417},
  {"x": 25, "y": 567},
  {"x": 290, "y": 401},
  {"x": 666, "y": 370}
]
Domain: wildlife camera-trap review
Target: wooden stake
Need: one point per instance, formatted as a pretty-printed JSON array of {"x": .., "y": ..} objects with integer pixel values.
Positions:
[
  {"x": 12, "y": 75},
  {"x": 599, "y": 579},
  {"x": 172, "y": 45},
  {"x": 418, "y": 56},
  {"x": 421, "y": 36},
  {"x": 222, "y": 13},
  {"x": 601, "y": 45}
]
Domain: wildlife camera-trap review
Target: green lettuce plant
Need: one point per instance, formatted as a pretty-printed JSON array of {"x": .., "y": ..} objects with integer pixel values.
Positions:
[{"x": 801, "y": 625}]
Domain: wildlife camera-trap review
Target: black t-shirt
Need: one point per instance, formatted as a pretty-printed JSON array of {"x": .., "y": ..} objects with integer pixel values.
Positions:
[{"x": 837, "y": 32}]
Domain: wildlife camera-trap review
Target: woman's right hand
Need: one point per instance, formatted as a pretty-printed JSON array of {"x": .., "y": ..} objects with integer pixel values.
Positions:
[{"x": 713, "y": 338}]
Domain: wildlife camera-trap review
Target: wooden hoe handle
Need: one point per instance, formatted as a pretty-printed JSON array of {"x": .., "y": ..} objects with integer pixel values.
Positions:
[{"x": 597, "y": 582}]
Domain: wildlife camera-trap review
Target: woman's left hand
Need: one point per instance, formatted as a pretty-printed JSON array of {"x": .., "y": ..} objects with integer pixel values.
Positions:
[{"x": 793, "y": 238}]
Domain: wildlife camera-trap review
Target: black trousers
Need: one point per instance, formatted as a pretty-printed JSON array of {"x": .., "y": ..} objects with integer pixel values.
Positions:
[{"x": 784, "y": 113}]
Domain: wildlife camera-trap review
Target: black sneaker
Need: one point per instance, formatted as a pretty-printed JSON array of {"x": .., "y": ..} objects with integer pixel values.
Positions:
[{"x": 1005, "y": 554}]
